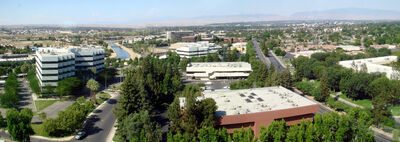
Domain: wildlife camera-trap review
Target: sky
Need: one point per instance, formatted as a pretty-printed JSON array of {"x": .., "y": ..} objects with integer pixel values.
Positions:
[{"x": 15, "y": 12}]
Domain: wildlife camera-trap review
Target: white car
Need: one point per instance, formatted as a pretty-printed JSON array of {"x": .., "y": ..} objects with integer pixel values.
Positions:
[{"x": 208, "y": 83}]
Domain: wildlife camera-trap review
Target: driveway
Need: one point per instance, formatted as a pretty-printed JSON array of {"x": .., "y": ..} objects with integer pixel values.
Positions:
[{"x": 26, "y": 100}]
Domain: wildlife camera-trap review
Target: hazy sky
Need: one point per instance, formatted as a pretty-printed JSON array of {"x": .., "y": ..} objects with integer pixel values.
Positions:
[{"x": 147, "y": 11}]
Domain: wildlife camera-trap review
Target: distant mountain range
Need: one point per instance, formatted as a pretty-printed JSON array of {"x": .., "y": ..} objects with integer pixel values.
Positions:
[
  {"x": 332, "y": 14},
  {"x": 348, "y": 14}
]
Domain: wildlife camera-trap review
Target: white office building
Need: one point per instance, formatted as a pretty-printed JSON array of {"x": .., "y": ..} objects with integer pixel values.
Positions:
[
  {"x": 197, "y": 49},
  {"x": 54, "y": 64},
  {"x": 218, "y": 70},
  {"x": 373, "y": 65}
]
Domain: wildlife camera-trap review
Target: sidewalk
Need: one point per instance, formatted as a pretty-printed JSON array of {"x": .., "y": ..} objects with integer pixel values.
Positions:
[
  {"x": 346, "y": 101},
  {"x": 112, "y": 133}
]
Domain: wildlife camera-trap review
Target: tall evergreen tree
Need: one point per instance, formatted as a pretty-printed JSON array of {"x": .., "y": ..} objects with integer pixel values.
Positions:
[{"x": 324, "y": 86}]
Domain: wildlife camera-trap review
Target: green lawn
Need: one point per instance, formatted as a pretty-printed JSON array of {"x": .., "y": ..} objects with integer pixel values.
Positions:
[
  {"x": 396, "y": 53},
  {"x": 364, "y": 102},
  {"x": 41, "y": 104}
]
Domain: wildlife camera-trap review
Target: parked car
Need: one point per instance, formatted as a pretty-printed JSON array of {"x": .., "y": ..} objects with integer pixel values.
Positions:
[{"x": 80, "y": 135}]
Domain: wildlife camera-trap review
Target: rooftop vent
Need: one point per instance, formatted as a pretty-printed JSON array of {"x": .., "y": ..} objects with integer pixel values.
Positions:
[
  {"x": 251, "y": 97},
  {"x": 241, "y": 95},
  {"x": 248, "y": 100},
  {"x": 253, "y": 94},
  {"x": 259, "y": 99}
]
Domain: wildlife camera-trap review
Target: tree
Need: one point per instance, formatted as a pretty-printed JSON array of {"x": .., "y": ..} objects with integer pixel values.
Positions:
[
  {"x": 25, "y": 67},
  {"x": 276, "y": 132},
  {"x": 10, "y": 97},
  {"x": 48, "y": 89},
  {"x": 19, "y": 124},
  {"x": 380, "y": 109},
  {"x": 69, "y": 120},
  {"x": 286, "y": 78},
  {"x": 93, "y": 85},
  {"x": 175, "y": 116},
  {"x": 207, "y": 109},
  {"x": 324, "y": 86},
  {"x": 137, "y": 127},
  {"x": 68, "y": 86}
]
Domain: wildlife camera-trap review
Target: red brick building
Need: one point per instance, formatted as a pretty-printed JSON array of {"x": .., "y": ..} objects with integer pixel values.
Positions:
[{"x": 257, "y": 107}]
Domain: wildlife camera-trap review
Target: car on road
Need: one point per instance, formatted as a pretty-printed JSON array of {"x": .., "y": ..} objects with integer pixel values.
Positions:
[
  {"x": 208, "y": 83},
  {"x": 226, "y": 87},
  {"x": 80, "y": 135}
]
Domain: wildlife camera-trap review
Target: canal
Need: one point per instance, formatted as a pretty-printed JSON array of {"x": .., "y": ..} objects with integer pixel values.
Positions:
[{"x": 122, "y": 54}]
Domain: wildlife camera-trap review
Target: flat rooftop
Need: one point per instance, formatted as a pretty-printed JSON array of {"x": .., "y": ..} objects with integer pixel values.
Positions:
[
  {"x": 373, "y": 65},
  {"x": 57, "y": 51},
  {"x": 245, "y": 101},
  {"x": 217, "y": 65}
]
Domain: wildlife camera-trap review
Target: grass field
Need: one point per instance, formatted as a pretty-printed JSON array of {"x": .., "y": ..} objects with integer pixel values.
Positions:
[
  {"x": 364, "y": 102},
  {"x": 41, "y": 104},
  {"x": 396, "y": 53}
]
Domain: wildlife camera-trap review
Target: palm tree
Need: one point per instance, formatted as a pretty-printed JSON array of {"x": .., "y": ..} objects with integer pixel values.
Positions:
[{"x": 93, "y": 85}]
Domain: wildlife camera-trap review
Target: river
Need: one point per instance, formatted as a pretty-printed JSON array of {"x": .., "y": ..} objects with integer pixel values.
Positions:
[{"x": 122, "y": 54}]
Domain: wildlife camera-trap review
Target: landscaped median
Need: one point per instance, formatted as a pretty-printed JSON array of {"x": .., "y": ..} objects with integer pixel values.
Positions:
[{"x": 101, "y": 97}]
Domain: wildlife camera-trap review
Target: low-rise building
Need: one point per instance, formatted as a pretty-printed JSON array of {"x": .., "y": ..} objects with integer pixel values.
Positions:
[
  {"x": 239, "y": 46},
  {"x": 349, "y": 48},
  {"x": 306, "y": 53},
  {"x": 177, "y": 35},
  {"x": 218, "y": 70},
  {"x": 196, "y": 49},
  {"x": 258, "y": 107},
  {"x": 54, "y": 64},
  {"x": 373, "y": 65},
  {"x": 6, "y": 58}
]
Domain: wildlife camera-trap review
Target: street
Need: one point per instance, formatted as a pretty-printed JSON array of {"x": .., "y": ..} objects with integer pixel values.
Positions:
[
  {"x": 99, "y": 125},
  {"x": 260, "y": 54},
  {"x": 275, "y": 61},
  {"x": 269, "y": 59}
]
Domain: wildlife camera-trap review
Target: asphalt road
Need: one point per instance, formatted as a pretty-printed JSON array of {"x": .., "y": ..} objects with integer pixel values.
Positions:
[
  {"x": 99, "y": 125},
  {"x": 24, "y": 91},
  {"x": 275, "y": 62},
  {"x": 260, "y": 54},
  {"x": 269, "y": 59}
]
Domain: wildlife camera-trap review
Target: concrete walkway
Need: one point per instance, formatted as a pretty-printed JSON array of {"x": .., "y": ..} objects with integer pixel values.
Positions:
[{"x": 346, "y": 102}]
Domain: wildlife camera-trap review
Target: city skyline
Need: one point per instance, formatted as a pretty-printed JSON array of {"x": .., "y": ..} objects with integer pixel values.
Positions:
[{"x": 153, "y": 12}]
